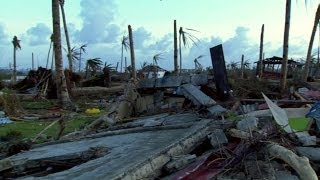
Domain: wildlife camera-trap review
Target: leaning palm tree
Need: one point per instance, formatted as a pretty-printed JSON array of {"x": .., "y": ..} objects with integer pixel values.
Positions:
[
  {"x": 66, "y": 34},
  {"x": 93, "y": 65},
  {"x": 16, "y": 45},
  {"x": 81, "y": 49},
  {"x": 314, "y": 29},
  {"x": 156, "y": 58},
  {"x": 62, "y": 90},
  {"x": 185, "y": 37},
  {"x": 124, "y": 45}
]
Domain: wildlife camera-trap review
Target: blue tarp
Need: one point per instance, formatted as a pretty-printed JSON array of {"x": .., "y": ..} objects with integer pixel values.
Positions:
[
  {"x": 315, "y": 114},
  {"x": 5, "y": 120}
]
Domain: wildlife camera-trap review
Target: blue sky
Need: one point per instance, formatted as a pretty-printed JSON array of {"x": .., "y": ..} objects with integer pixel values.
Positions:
[{"x": 101, "y": 23}]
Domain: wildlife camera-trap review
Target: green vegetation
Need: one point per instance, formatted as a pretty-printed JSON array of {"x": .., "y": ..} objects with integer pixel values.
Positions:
[
  {"x": 40, "y": 104},
  {"x": 299, "y": 124},
  {"x": 29, "y": 129}
]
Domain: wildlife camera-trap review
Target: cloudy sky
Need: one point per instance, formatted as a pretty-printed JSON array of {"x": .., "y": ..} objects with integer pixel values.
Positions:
[{"x": 101, "y": 23}]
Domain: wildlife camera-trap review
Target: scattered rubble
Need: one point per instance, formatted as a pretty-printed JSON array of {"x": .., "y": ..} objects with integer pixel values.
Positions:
[{"x": 189, "y": 126}]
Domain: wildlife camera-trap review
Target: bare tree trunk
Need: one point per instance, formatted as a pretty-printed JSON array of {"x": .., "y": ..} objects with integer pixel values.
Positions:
[
  {"x": 14, "y": 74},
  {"x": 125, "y": 64},
  {"x": 48, "y": 54},
  {"x": 284, "y": 68},
  {"x": 33, "y": 61},
  {"x": 242, "y": 66},
  {"x": 180, "y": 54},
  {"x": 121, "y": 58},
  {"x": 79, "y": 61},
  {"x": 62, "y": 90},
  {"x": 314, "y": 29},
  {"x": 133, "y": 63},
  {"x": 175, "y": 47},
  {"x": 67, "y": 36},
  {"x": 261, "y": 51}
]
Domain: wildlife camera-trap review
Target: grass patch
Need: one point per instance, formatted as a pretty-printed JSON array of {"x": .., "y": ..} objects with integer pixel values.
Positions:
[
  {"x": 40, "y": 104},
  {"x": 299, "y": 124},
  {"x": 29, "y": 129}
]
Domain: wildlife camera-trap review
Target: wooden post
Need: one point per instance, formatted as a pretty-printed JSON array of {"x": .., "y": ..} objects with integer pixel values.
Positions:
[{"x": 220, "y": 71}]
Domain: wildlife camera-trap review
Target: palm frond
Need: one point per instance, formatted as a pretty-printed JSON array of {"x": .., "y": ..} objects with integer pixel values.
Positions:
[
  {"x": 157, "y": 57},
  {"x": 16, "y": 42},
  {"x": 201, "y": 56},
  {"x": 83, "y": 48},
  {"x": 188, "y": 36},
  {"x": 125, "y": 42}
]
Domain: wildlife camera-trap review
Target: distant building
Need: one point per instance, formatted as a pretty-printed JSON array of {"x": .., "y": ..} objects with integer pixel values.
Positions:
[{"x": 152, "y": 71}]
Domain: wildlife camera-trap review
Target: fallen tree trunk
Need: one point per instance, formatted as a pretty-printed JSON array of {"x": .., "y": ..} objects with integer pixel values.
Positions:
[
  {"x": 98, "y": 91},
  {"x": 300, "y": 164}
]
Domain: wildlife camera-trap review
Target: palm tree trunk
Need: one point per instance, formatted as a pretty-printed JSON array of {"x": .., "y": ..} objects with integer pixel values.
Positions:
[
  {"x": 133, "y": 63},
  {"x": 14, "y": 74},
  {"x": 87, "y": 68},
  {"x": 67, "y": 37},
  {"x": 242, "y": 66},
  {"x": 180, "y": 54},
  {"x": 261, "y": 51},
  {"x": 48, "y": 55},
  {"x": 284, "y": 68},
  {"x": 314, "y": 29},
  {"x": 52, "y": 60},
  {"x": 79, "y": 61},
  {"x": 175, "y": 47},
  {"x": 32, "y": 61},
  {"x": 62, "y": 90},
  {"x": 121, "y": 58}
]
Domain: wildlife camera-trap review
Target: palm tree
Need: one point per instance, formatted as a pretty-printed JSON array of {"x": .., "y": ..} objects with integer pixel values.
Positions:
[
  {"x": 234, "y": 65},
  {"x": 284, "y": 67},
  {"x": 156, "y": 58},
  {"x": 66, "y": 34},
  {"x": 124, "y": 45},
  {"x": 51, "y": 42},
  {"x": 197, "y": 65},
  {"x": 175, "y": 47},
  {"x": 314, "y": 29},
  {"x": 81, "y": 49},
  {"x": 62, "y": 90},
  {"x": 16, "y": 45},
  {"x": 93, "y": 65},
  {"x": 261, "y": 52},
  {"x": 185, "y": 37},
  {"x": 144, "y": 64},
  {"x": 74, "y": 54},
  {"x": 133, "y": 62}
]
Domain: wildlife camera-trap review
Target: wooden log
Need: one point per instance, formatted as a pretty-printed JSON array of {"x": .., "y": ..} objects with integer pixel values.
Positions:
[
  {"x": 300, "y": 164},
  {"x": 285, "y": 101},
  {"x": 297, "y": 95}
]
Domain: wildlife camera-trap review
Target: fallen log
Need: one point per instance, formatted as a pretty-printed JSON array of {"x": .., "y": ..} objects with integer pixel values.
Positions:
[
  {"x": 300, "y": 164},
  {"x": 96, "y": 91},
  {"x": 297, "y": 95},
  {"x": 286, "y": 101}
]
